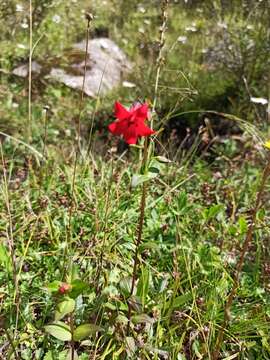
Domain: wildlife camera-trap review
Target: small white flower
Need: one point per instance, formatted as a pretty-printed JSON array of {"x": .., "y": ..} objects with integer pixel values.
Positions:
[
  {"x": 128, "y": 84},
  {"x": 141, "y": 9},
  {"x": 191, "y": 28},
  {"x": 182, "y": 39},
  {"x": 24, "y": 25},
  {"x": 222, "y": 25},
  {"x": 21, "y": 46},
  {"x": 19, "y": 8},
  {"x": 261, "y": 101},
  {"x": 56, "y": 19}
]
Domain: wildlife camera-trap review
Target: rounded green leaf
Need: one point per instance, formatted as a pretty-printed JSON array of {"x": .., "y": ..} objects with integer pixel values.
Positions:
[
  {"x": 59, "y": 330},
  {"x": 85, "y": 330},
  {"x": 65, "y": 307}
]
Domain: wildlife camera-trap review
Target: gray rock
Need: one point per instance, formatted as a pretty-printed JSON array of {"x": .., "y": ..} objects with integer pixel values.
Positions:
[
  {"x": 23, "y": 70},
  {"x": 106, "y": 64}
]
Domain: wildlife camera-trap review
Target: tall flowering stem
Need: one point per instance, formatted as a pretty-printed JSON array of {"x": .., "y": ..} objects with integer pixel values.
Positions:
[
  {"x": 248, "y": 239},
  {"x": 139, "y": 233},
  {"x": 131, "y": 125}
]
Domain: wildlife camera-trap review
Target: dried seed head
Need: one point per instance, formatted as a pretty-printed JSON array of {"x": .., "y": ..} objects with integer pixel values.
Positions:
[{"x": 89, "y": 17}]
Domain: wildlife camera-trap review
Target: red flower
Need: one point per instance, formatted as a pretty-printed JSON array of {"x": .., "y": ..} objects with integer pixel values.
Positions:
[
  {"x": 64, "y": 288},
  {"x": 130, "y": 123}
]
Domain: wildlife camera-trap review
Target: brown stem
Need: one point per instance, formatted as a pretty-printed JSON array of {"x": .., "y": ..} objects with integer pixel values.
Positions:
[
  {"x": 139, "y": 232},
  {"x": 240, "y": 263}
]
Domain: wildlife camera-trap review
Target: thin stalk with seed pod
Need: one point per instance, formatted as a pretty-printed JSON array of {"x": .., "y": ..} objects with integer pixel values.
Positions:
[
  {"x": 239, "y": 266},
  {"x": 161, "y": 44},
  {"x": 89, "y": 18}
]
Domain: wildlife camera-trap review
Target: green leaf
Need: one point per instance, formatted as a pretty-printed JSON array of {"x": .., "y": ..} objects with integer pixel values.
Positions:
[
  {"x": 138, "y": 179},
  {"x": 142, "y": 318},
  {"x": 48, "y": 355},
  {"x": 85, "y": 330},
  {"x": 53, "y": 286},
  {"x": 163, "y": 159},
  {"x": 122, "y": 319},
  {"x": 214, "y": 211},
  {"x": 5, "y": 258},
  {"x": 195, "y": 348},
  {"x": 77, "y": 288},
  {"x": 125, "y": 286},
  {"x": 243, "y": 226},
  {"x": 179, "y": 301},
  {"x": 149, "y": 245},
  {"x": 182, "y": 200},
  {"x": 155, "y": 166},
  {"x": 59, "y": 330},
  {"x": 143, "y": 285},
  {"x": 65, "y": 307}
]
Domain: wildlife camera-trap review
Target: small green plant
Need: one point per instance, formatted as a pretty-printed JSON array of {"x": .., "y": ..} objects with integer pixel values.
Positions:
[{"x": 67, "y": 296}]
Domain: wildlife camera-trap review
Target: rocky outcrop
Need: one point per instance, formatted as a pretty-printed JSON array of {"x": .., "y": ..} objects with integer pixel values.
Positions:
[{"x": 106, "y": 64}]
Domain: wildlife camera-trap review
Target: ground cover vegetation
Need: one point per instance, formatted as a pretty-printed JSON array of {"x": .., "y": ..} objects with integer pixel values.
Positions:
[{"x": 135, "y": 225}]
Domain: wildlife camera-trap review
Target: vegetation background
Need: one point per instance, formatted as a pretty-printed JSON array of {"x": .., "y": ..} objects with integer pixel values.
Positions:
[{"x": 212, "y": 113}]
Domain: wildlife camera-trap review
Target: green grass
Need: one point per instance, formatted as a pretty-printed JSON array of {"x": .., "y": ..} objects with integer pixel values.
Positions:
[
  {"x": 198, "y": 208},
  {"x": 194, "y": 227}
]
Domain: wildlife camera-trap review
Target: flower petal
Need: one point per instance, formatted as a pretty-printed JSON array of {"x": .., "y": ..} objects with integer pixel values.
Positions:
[
  {"x": 118, "y": 127},
  {"x": 130, "y": 134},
  {"x": 121, "y": 112},
  {"x": 141, "y": 112},
  {"x": 143, "y": 130},
  {"x": 131, "y": 140}
]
